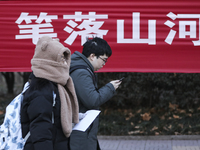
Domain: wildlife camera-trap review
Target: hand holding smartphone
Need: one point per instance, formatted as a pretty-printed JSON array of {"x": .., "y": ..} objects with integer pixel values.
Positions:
[{"x": 116, "y": 83}]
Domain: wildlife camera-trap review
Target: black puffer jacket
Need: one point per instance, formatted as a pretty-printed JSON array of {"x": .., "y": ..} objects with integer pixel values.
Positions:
[{"x": 41, "y": 118}]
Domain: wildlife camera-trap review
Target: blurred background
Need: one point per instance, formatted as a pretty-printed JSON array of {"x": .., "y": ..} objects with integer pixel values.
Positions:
[{"x": 145, "y": 103}]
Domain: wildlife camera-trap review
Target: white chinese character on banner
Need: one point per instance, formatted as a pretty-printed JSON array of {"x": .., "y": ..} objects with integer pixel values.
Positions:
[
  {"x": 89, "y": 26},
  {"x": 35, "y": 30},
  {"x": 151, "y": 40},
  {"x": 182, "y": 27}
]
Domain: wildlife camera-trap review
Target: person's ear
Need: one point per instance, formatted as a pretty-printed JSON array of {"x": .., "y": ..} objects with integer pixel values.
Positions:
[{"x": 92, "y": 57}]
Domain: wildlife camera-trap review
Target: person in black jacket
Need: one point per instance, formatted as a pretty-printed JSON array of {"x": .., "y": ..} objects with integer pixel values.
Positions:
[
  {"x": 50, "y": 104},
  {"x": 94, "y": 56}
]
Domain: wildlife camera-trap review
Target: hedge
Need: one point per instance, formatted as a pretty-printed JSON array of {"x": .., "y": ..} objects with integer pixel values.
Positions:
[{"x": 154, "y": 89}]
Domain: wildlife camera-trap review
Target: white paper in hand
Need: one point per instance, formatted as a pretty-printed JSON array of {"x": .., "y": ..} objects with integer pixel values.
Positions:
[{"x": 87, "y": 120}]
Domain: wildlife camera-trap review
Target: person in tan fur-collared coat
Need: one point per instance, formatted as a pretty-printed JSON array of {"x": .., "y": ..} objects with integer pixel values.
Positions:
[{"x": 50, "y": 104}]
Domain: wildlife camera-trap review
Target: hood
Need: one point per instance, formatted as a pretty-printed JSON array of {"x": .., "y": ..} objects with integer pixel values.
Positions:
[{"x": 79, "y": 59}]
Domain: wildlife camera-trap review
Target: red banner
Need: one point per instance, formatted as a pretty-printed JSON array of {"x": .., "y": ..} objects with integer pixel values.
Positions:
[{"x": 145, "y": 35}]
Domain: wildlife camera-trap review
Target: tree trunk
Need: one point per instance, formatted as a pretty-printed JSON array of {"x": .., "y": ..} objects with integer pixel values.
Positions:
[
  {"x": 10, "y": 81},
  {"x": 25, "y": 76}
]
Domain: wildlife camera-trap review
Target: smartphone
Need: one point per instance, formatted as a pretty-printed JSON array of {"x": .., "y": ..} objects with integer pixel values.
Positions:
[{"x": 121, "y": 79}]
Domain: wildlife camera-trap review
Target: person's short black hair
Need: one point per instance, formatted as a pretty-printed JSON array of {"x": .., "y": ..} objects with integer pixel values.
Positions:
[{"x": 97, "y": 46}]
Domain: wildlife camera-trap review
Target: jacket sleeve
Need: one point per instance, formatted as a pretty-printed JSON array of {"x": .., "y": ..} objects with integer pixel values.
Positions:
[
  {"x": 86, "y": 92},
  {"x": 40, "y": 116}
]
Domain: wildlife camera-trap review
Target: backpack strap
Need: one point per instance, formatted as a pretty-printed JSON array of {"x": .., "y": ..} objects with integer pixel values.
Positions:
[
  {"x": 72, "y": 69},
  {"x": 27, "y": 136}
]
